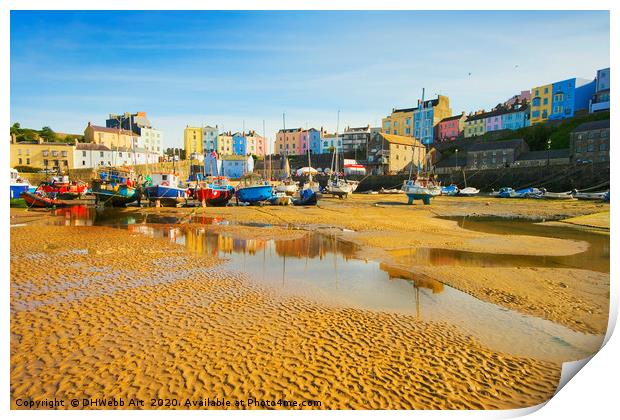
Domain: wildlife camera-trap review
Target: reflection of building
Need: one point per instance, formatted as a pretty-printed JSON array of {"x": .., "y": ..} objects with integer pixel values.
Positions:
[
  {"x": 314, "y": 245},
  {"x": 419, "y": 280}
]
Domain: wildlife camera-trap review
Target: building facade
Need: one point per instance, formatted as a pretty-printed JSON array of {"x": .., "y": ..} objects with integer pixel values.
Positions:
[
  {"x": 355, "y": 139},
  {"x": 255, "y": 144},
  {"x": 234, "y": 166},
  {"x": 330, "y": 142},
  {"x": 192, "y": 140},
  {"x": 540, "y": 107},
  {"x": 589, "y": 142},
  {"x": 288, "y": 141},
  {"x": 427, "y": 115},
  {"x": 209, "y": 138},
  {"x": 600, "y": 99},
  {"x": 51, "y": 156},
  {"x": 225, "y": 144},
  {"x": 495, "y": 154},
  {"x": 399, "y": 122},
  {"x": 517, "y": 116},
  {"x": 560, "y": 100},
  {"x": 89, "y": 155},
  {"x": 239, "y": 144},
  {"x": 474, "y": 125},
  {"x": 110, "y": 137},
  {"x": 390, "y": 154},
  {"x": 450, "y": 128},
  {"x": 148, "y": 137},
  {"x": 543, "y": 158}
]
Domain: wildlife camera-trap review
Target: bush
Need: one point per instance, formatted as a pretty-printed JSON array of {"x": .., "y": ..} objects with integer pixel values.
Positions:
[{"x": 27, "y": 169}]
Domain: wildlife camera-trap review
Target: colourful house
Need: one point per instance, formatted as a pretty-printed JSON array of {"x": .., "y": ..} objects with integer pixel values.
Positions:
[
  {"x": 560, "y": 100},
  {"x": 450, "y": 128},
  {"x": 192, "y": 140},
  {"x": 314, "y": 141},
  {"x": 255, "y": 144},
  {"x": 517, "y": 116},
  {"x": 234, "y": 166},
  {"x": 209, "y": 138},
  {"x": 540, "y": 107},
  {"x": 427, "y": 115},
  {"x": 399, "y": 122},
  {"x": 600, "y": 100},
  {"x": 239, "y": 144},
  {"x": 474, "y": 124},
  {"x": 330, "y": 142},
  {"x": 224, "y": 144}
]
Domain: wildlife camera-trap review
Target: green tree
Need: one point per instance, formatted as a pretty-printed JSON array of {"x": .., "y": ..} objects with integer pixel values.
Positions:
[
  {"x": 15, "y": 128},
  {"x": 47, "y": 133}
]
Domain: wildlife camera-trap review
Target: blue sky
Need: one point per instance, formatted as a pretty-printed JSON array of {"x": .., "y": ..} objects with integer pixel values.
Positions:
[{"x": 202, "y": 67}]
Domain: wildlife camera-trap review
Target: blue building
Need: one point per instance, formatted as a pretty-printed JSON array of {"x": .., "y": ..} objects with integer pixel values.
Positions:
[
  {"x": 423, "y": 123},
  {"x": 569, "y": 96},
  {"x": 517, "y": 116},
  {"x": 234, "y": 166},
  {"x": 329, "y": 142},
  {"x": 209, "y": 139},
  {"x": 600, "y": 100},
  {"x": 239, "y": 144},
  {"x": 314, "y": 141}
]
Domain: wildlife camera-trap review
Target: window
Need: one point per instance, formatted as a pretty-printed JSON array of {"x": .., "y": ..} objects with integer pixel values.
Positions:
[
  {"x": 83, "y": 153},
  {"x": 101, "y": 155},
  {"x": 45, "y": 162},
  {"x": 19, "y": 151},
  {"x": 46, "y": 153},
  {"x": 545, "y": 114},
  {"x": 27, "y": 161},
  {"x": 546, "y": 101},
  {"x": 19, "y": 160},
  {"x": 590, "y": 147},
  {"x": 546, "y": 90},
  {"x": 536, "y": 102},
  {"x": 602, "y": 147},
  {"x": 66, "y": 162},
  {"x": 64, "y": 153},
  {"x": 83, "y": 163}
]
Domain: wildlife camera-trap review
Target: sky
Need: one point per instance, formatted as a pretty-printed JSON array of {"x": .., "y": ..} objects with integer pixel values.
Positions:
[{"x": 236, "y": 68}]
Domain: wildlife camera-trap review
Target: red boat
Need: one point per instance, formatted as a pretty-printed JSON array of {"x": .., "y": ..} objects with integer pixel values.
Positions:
[
  {"x": 63, "y": 188},
  {"x": 37, "y": 200},
  {"x": 214, "y": 191}
]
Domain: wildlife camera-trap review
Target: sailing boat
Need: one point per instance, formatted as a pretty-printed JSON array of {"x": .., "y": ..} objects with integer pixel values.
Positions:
[
  {"x": 338, "y": 187},
  {"x": 287, "y": 185},
  {"x": 421, "y": 187}
]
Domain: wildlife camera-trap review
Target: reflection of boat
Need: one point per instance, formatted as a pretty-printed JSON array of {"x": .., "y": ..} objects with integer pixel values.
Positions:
[
  {"x": 419, "y": 280},
  {"x": 421, "y": 188},
  {"x": 114, "y": 187},
  {"x": 39, "y": 200},
  {"x": 165, "y": 187}
]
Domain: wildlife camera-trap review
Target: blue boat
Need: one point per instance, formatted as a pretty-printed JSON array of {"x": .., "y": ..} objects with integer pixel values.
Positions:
[
  {"x": 18, "y": 185},
  {"x": 506, "y": 192},
  {"x": 113, "y": 187},
  {"x": 255, "y": 193},
  {"x": 450, "y": 190},
  {"x": 165, "y": 188}
]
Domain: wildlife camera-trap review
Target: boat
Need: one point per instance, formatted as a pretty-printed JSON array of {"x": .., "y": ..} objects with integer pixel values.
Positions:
[
  {"x": 253, "y": 190},
  {"x": 338, "y": 187},
  {"x": 114, "y": 187},
  {"x": 41, "y": 201},
  {"x": 353, "y": 184},
  {"x": 280, "y": 199},
  {"x": 214, "y": 191},
  {"x": 62, "y": 188},
  {"x": 568, "y": 195},
  {"x": 506, "y": 192},
  {"x": 307, "y": 197},
  {"x": 166, "y": 188},
  {"x": 603, "y": 195},
  {"x": 450, "y": 190},
  {"x": 18, "y": 185},
  {"x": 387, "y": 191},
  {"x": 421, "y": 188},
  {"x": 468, "y": 192}
]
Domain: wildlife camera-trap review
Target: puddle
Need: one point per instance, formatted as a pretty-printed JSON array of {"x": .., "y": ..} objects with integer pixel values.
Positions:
[
  {"x": 325, "y": 269},
  {"x": 595, "y": 258}
]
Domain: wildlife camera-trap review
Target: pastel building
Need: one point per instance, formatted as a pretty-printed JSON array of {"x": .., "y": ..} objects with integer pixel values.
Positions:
[
  {"x": 192, "y": 140},
  {"x": 427, "y": 115},
  {"x": 239, "y": 144},
  {"x": 314, "y": 139},
  {"x": 516, "y": 117},
  {"x": 474, "y": 124},
  {"x": 209, "y": 138},
  {"x": 561, "y": 99},
  {"x": 399, "y": 122},
  {"x": 255, "y": 144},
  {"x": 148, "y": 138},
  {"x": 330, "y": 142},
  {"x": 110, "y": 137},
  {"x": 450, "y": 128},
  {"x": 234, "y": 166},
  {"x": 600, "y": 99},
  {"x": 225, "y": 144}
]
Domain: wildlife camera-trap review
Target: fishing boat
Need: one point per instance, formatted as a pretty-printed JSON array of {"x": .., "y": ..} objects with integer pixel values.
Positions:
[
  {"x": 280, "y": 199},
  {"x": 166, "y": 188},
  {"x": 287, "y": 185},
  {"x": 114, "y": 187},
  {"x": 18, "y": 185},
  {"x": 450, "y": 190},
  {"x": 41, "y": 200},
  {"x": 468, "y": 192},
  {"x": 421, "y": 188},
  {"x": 62, "y": 188},
  {"x": 214, "y": 191},
  {"x": 506, "y": 192},
  {"x": 253, "y": 190}
]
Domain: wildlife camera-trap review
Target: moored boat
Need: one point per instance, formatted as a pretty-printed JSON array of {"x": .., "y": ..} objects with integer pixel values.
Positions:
[
  {"x": 18, "y": 185},
  {"x": 450, "y": 190},
  {"x": 307, "y": 197},
  {"x": 253, "y": 190},
  {"x": 41, "y": 201},
  {"x": 421, "y": 188},
  {"x": 114, "y": 187},
  {"x": 166, "y": 188},
  {"x": 604, "y": 195},
  {"x": 62, "y": 188},
  {"x": 468, "y": 191},
  {"x": 214, "y": 191}
]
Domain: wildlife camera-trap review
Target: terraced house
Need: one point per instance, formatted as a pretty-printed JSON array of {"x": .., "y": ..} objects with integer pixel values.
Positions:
[
  {"x": 450, "y": 128},
  {"x": 192, "y": 140},
  {"x": 474, "y": 124},
  {"x": 209, "y": 138},
  {"x": 399, "y": 122},
  {"x": 149, "y": 138},
  {"x": 560, "y": 100},
  {"x": 427, "y": 115},
  {"x": 296, "y": 141}
]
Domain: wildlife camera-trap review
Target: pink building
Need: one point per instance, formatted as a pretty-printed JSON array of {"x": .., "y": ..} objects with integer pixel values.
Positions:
[
  {"x": 450, "y": 128},
  {"x": 524, "y": 96}
]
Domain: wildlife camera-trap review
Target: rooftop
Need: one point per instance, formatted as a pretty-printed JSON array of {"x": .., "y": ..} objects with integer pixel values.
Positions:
[
  {"x": 408, "y": 141},
  {"x": 496, "y": 145},
  {"x": 542, "y": 154},
  {"x": 111, "y": 130},
  {"x": 592, "y": 125}
]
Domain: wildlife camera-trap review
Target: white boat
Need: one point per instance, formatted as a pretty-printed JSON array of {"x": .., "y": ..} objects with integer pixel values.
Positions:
[
  {"x": 353, "y": 184},
  {"x": 289, "y": 188},
  {"x": 591, "y": 196},
  {"x": 468, "y": 192},
  {"x": 338, "y": 187},
  {"x": 558, "y": 196},
  {"x": 421, "y": 188},
  {"x": 18, "y": 185}
]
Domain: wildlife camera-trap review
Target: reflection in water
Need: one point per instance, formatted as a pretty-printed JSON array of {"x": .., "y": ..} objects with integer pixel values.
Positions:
[{"x": 324, "y": 268}]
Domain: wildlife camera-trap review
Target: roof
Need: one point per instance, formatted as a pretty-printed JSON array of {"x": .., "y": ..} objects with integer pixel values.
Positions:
[
  {"x": 91, "y": 146},
  {"x": 542, "y": 154},
  {"x": 592, "y": 125},
  {"x": 111, "y": 130},
  {"x": 497, "y": 112},
  {"x": 495, "y": 145},
  {"x": 455, "y": 117},
  {"x": 408, "y": 141}
]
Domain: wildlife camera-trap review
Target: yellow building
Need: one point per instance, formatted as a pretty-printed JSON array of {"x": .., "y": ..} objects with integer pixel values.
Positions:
[
  {"x": 540, "y": 105},
  {"x": 474, "y": 125},
  {"x": 109, "y": 137},
  {"x": 192, "y": 139},
  {"x": 399, "y": 122},
  {"x": 224, "y": 144},
  {"x": 393, "y": 154},
  {"x": 53, "y": 156}
]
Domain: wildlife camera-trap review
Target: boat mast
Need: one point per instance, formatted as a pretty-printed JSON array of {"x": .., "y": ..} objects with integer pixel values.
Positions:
[
  {"x": 265, "y": 160},
  {"x": 421, "y": 113}
]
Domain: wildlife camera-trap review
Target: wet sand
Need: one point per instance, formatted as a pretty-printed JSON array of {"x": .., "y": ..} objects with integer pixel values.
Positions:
[
  {"x": 90, "y": 318},
  {"x": 101, "y": 312}
]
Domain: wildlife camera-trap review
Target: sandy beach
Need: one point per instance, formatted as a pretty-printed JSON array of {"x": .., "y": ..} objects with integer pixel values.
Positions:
[{"x": 100, "y": 312}]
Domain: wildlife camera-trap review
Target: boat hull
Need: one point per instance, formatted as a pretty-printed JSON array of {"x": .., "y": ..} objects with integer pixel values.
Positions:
[
  {"x": 215, "y": 196},
  {"x": 18, "y": 189},
  {"x": 290, "y": 189},
  {"x": 166, "y": 194},
  {"x": 117, "y": 196},
  {"x": 307, "y": 197},
  {"x": 254, "y": 194},
  {"x": 34, "y": 200}
]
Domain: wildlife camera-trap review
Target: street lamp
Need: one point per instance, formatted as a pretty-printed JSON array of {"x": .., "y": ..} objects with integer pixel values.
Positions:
[
  {"x": 548, "y": 150},
  {"x": 456, "y": 159}
]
